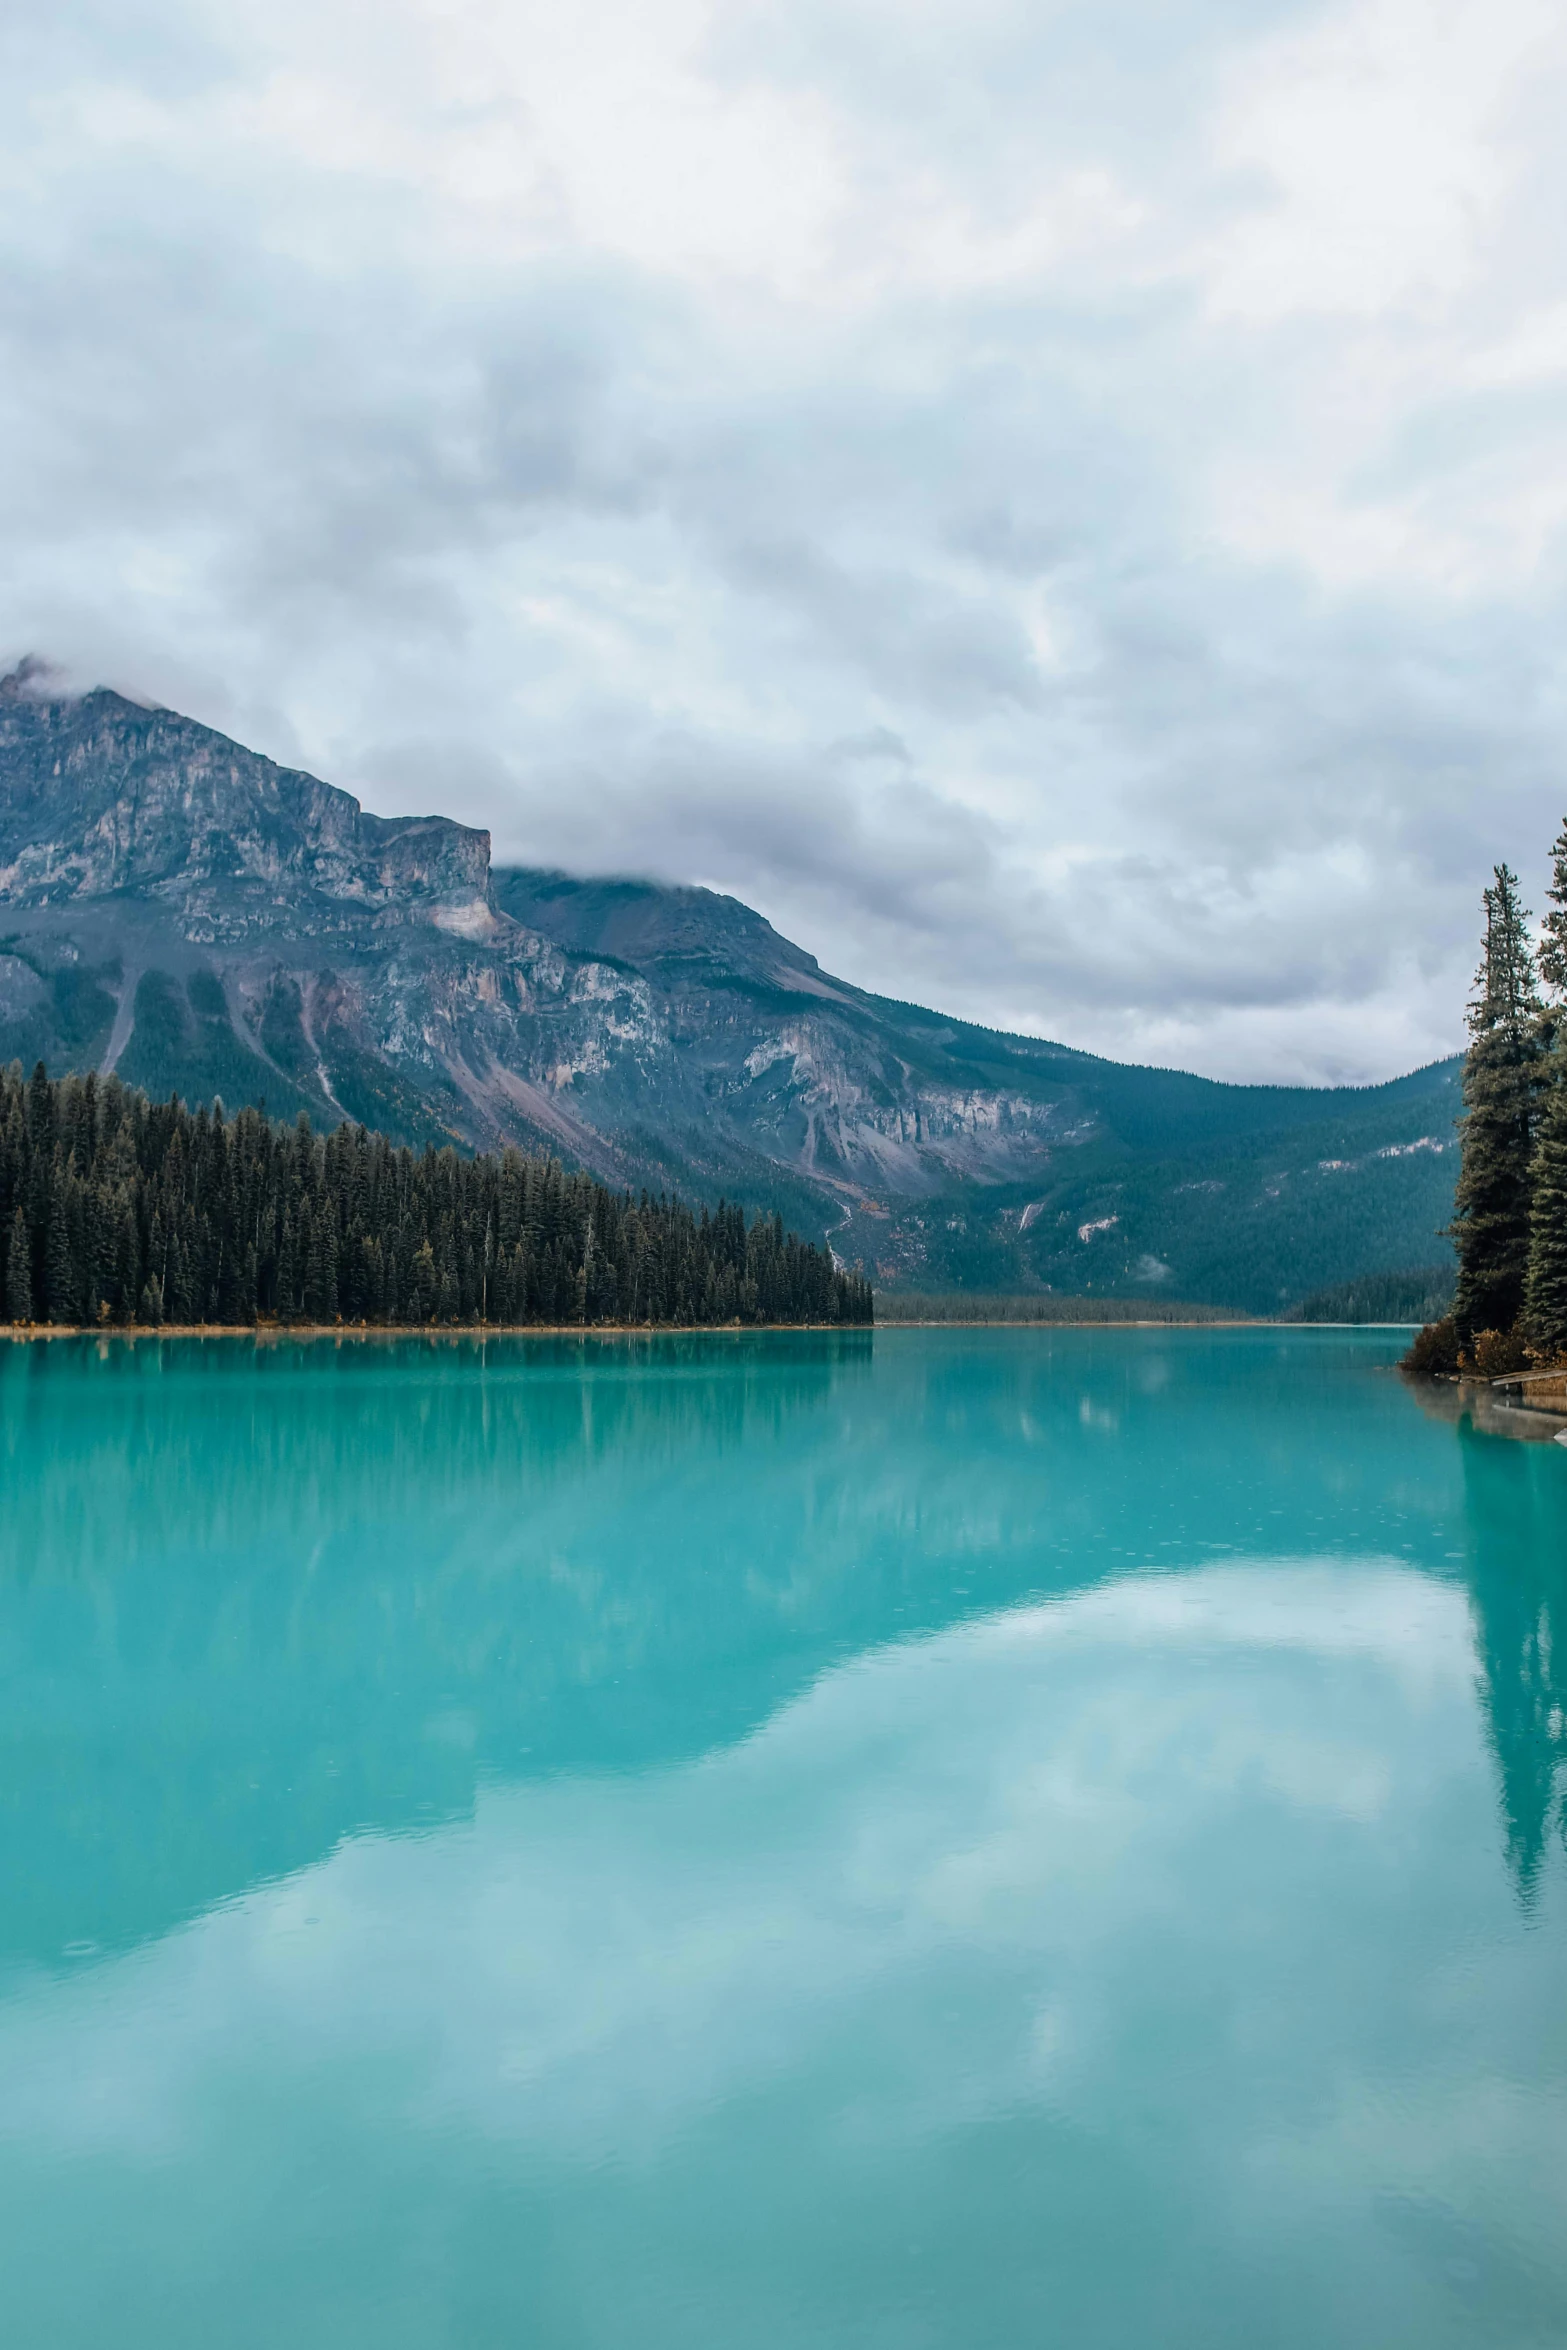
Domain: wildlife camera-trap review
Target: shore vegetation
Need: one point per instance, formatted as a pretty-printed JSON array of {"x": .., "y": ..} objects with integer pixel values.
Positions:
[
  {"x": 116, "y": 1210},
  {"x": 1509, "y": 1229}
]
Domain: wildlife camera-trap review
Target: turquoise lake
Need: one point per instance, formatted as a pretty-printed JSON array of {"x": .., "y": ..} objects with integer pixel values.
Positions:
[{"x": 905, "y": 1840}]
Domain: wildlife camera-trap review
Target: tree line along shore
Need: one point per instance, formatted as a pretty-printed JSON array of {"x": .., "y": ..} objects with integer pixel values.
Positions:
[
  {"x": 117, "y": 1211},
  {"x": 1509, "y": 1228}
]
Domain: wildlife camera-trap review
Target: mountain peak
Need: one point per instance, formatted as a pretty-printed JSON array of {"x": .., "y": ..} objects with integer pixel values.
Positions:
[
  {"x": 101, "y": 796},
  {"x": 32, "y": 680}
]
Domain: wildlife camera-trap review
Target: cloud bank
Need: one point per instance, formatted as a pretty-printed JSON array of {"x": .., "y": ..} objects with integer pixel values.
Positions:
[{"x": 1061, "y": 507}]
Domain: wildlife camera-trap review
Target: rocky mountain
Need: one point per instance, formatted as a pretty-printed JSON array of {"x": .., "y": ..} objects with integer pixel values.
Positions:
[{"x": 183, "y": 911}]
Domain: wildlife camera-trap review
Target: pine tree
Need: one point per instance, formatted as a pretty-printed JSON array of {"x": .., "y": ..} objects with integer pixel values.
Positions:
[
  {"x": 1553, "y": 938},
  {"x": 287, "y": 1277},
  {"x": 59, "y": 1273},
  {"x": 19, "y": 1272},
  {"x": 320, "y": 1264},
  {"x": 425, "y": 1283},
  {"x": 1545, "y": 1310},
  {"x": 1545, "y": 1316},
  {"x": 1501, "y": 1079}
]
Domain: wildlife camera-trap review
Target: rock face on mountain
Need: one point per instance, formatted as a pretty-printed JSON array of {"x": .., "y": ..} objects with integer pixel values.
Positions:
[
  {"x": 183, "y": 911},
  {"x": 101, "y": 797}
]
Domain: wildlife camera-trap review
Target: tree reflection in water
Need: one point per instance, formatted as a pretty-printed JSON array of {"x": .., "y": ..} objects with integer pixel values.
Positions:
[
  {"x": 1516, "y": 1496},
  {"x": 1515, "y": 1514}
]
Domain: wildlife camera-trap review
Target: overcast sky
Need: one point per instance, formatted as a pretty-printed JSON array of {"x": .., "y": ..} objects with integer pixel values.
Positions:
[{"x": 1063, "y": 506}]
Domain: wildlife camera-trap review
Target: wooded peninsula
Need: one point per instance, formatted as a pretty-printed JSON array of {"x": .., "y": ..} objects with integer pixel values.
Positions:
[{"x": 116, "y": 1210}]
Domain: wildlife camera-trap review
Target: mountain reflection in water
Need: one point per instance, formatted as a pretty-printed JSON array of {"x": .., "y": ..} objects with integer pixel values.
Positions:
[{"x": 257, "y": 1599}]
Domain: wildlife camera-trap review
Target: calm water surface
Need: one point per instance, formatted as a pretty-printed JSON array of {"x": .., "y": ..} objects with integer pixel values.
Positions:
[{"x": 948, "y": 1838}]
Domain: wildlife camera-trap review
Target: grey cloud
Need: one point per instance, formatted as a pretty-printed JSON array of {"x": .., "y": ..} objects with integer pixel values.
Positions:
[
  {"x": 902, "y": 610},
  {"x": 879, "y": 743}
]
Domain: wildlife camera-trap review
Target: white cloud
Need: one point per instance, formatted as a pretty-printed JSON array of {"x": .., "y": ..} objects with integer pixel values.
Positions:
[{"x": 1380, "y": 135}]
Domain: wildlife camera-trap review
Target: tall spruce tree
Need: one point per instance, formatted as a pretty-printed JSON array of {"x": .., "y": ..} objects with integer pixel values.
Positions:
[
  {"x": 1545, "y": 1308},
  {"x": 1501, "y": 1080},
  {"x": 1553, "y": 931},
  {"x": 19, "y": 1271}
]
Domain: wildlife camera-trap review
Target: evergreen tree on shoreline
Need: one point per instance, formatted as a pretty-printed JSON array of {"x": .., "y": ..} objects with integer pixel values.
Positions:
[
  {"x": 1502, "y": 1071},
  {"x": 19, "y": 1272},
  {"x": 1553, "y": 930},
  {"x": 1545, "y": 1309}
]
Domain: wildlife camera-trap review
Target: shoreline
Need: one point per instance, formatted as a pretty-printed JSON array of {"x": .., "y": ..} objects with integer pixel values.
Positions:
[
  {"x": 1492, "y": 1406},
  {"x": 24, "y": 1333}
]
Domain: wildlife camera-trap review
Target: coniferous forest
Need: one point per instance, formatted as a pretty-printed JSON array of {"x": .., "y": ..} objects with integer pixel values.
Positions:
[
  {"x": 115, "y": 1209},
  {"x": 1510, "y": 1221}
]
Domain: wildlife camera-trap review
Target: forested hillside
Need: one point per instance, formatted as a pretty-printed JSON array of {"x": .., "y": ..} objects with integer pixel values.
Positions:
[
  {"x": 956, "y": 1157},
  {"x": 118, "y": 1209}
]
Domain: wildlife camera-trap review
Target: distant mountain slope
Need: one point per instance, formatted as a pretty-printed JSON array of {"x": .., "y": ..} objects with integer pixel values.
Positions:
[
  {"x": 179, "y": 909},
  {"x": 962, "y": 1157}
]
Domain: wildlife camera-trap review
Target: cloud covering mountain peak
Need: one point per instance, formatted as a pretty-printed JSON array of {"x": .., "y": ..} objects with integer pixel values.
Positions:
[{"x": 1062, "y": 510}]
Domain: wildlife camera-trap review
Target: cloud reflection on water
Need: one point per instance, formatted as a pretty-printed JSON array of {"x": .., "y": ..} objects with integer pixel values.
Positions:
[{"x": 1175, "y": 1877}]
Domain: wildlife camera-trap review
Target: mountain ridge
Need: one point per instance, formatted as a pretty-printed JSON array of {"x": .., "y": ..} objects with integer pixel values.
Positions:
[{"x": 185, "y": 912}]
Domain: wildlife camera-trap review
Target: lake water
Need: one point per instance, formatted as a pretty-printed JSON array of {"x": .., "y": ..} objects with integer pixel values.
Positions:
[{"x": 953, "y": 1838}]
